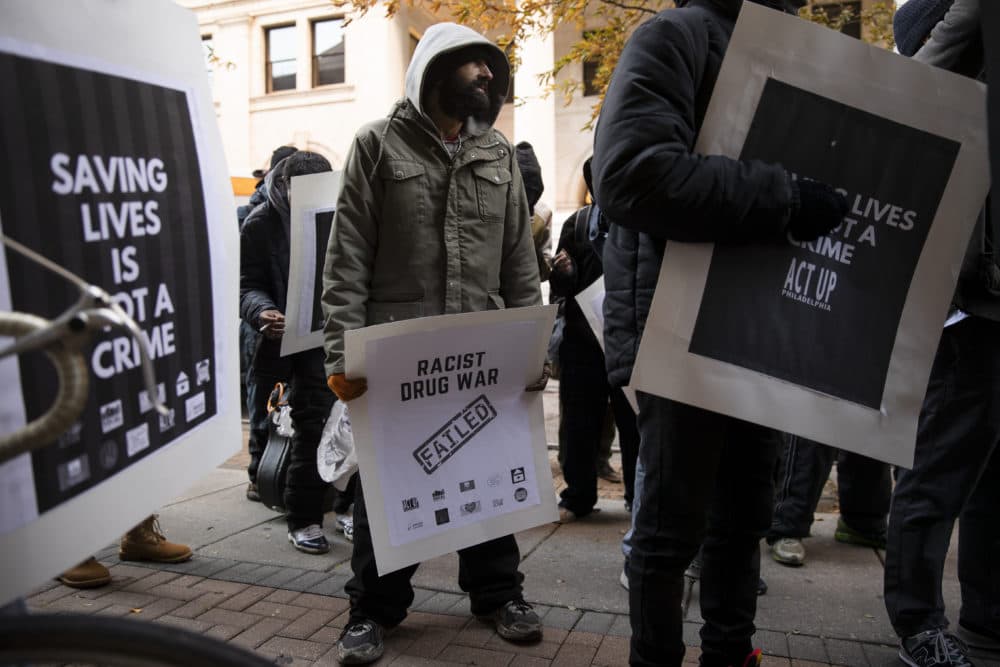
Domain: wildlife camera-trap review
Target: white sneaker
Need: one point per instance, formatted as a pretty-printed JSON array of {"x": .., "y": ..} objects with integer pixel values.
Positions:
[
  {"x": 789, "y": 551},
  {"x": 623, "y": 579}
]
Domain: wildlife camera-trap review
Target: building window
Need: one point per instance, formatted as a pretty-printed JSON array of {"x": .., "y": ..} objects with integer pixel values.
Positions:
[
  {"x": 852, "y": 24},
  {"x": 328, "y": 52},
  {"x": 208, "y": 52},
  {"x": 590, "y": 67},
  {"x": 280, "y": 58}
]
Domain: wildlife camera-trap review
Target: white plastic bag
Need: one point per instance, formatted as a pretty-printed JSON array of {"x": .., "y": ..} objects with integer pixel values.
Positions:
[
  {"x": 335, "y": 456},
  {"x": 282, "y": 418}
]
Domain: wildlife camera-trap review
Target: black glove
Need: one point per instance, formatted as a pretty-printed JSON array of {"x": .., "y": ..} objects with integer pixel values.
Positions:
[{"x": 816, "y": 209}]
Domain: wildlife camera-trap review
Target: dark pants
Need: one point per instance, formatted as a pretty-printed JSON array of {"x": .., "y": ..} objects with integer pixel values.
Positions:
[
  {"x": 584, "y": 393},
  {"x": 708, "y": 479},
  {"x": 955, "y": 475},
  {"x": 863, "y": 488},
  {"x": 487, "y": 572},
  {"x": 257, "y": 388},
  {"x": 311, "y": 401}
]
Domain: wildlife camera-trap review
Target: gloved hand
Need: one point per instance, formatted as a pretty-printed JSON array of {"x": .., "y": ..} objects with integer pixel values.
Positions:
[
  {"x": 816, "y": 209},
  {"x": 346, "y": 390},
  {"x": 539, "y": 384}
]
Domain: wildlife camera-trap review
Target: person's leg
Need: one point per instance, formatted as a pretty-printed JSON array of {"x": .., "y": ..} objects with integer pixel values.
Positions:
[
  {"x": 583, "y": 394},
  {"x": 864, "y": 489},
  {"x": 489, "y": 573},
  {"x": 381, "y": 599},
  {"x": 679, "y": 452},
  {"x": 258, "y": 389},
  {"x": 628, "y": 440},
  {"x": 979, "y": 556},
  {"x": 805, "y": 469},
  {"x": 738, "y": 517},
  {"x": 956, "y": 433},
  {"x": 605, "y": 470},
  {"x": 311, "y": 401}
]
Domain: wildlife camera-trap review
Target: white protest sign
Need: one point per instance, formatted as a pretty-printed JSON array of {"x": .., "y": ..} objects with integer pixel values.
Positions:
[
  {"x": 450, "y": 446},
  {"x": 121, "y": 179},
  {"x": 313, "y": 199},
  {"x": 831, "y": 340},
  {"x": 591, "y": 302}
]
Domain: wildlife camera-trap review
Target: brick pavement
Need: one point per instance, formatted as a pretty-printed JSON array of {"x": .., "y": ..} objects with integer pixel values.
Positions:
[{"x": 298, "y": 626}]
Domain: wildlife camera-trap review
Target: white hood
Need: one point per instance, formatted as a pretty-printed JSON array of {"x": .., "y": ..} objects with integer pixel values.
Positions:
[{"x": 442, "y": 38}]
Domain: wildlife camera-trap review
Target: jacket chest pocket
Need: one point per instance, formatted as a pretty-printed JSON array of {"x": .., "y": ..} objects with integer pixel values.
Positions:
[
  {"x": 404, "y": 183},
  {"x": 492, "y": 183}
]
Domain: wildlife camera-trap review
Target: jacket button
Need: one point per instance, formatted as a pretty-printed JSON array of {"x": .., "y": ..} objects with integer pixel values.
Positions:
[
  {"x": 399, "y": 174},
  {"x": 502, "y": 152},
  {"x": 496, "y": 178}
]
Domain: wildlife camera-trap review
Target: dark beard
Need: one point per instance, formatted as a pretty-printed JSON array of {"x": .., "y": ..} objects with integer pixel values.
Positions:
[{"x": 460, "y": 100}]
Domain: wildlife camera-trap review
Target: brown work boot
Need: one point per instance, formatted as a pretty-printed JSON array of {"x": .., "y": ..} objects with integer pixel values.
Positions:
[
  {"x": 88, "y": 574},
  {"x": 147, "y": 542}
]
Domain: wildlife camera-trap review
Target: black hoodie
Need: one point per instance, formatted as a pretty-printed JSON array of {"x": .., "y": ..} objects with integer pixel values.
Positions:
[{"x": 651, "y": 185}]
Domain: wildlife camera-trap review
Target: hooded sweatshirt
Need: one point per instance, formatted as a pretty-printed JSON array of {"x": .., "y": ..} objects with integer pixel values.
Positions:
[{"x": 420, "y": 230}]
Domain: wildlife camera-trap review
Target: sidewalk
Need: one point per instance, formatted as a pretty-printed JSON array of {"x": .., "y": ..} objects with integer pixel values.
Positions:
[{"x": 248, "y": 586}]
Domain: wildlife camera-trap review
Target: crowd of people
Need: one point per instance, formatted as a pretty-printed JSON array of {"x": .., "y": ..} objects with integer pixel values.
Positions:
[
  {"x": 704, "y": 489},
  {"x": 439, "y": 213}
]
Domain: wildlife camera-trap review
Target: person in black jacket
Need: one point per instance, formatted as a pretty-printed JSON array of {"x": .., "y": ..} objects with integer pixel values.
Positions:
[
  {"x": 256, "y": 397},
  {"x": 264, "y": 257},
  {"x": 584, "y": 391},
  {"x": 708, "y": 477}
]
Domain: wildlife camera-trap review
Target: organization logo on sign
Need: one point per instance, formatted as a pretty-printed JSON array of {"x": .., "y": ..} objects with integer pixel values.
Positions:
[
  {"x": 497, "y": 502},
  {"x": 438, "y": 495},
  {"x": 520, "y": 494},
  {"x": 441, "y": 516},
  {"x": 202, "y": 374},
  {"x": 108, "y": 454},
  {"x": 471, "y": 508},
  {"x": 467, "y": 485},
  {"x": 517, "y": 475},
  {"x": 416, "y": 525},
  {"x": 183, "y": 384},
  {"x": 493, "y": 482},
  {"x": 111, "y": 416},
  {"x": 454, "y": 435},
  {"x": 410, "y": 504}
]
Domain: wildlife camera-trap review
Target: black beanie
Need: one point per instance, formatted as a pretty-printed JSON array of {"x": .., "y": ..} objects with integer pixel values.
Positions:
[
  {"x": 914, "y": 21},
  {"x": 531, "y": 173}
]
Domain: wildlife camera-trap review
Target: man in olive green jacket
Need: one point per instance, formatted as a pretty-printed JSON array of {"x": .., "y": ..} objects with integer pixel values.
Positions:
[{"x": 432, "y": 218}]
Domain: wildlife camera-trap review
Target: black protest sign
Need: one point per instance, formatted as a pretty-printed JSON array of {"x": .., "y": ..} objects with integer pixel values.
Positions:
[
  {"x": 324, "y": 223},
  {"x": 103, "y": 178},
  {"x": 825, "y": 314}
]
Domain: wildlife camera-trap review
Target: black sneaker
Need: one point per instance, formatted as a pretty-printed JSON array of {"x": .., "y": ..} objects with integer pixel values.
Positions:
[
  {"x": 360, "y": 643},
  {"x": 933, "y": 648},
  {"x": 516, "y": 621},
  {"x": 252, "y": 493},
  {"x": 310, "y": 539}
]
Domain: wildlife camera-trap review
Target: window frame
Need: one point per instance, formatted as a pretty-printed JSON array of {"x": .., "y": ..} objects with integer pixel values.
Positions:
[
  {"x": 268, "y": 76},
  {"x": 314, "y": 57}
]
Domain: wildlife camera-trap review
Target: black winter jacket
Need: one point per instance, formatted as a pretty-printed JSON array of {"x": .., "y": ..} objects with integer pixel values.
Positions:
[
  {"x": 575, "y": 241},
  {"x": 264, "y": 255},
  {"x": 651, "y": 184}
]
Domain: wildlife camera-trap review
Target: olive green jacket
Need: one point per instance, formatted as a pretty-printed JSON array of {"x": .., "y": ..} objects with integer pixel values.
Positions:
[{"x": 417, "y": 232}]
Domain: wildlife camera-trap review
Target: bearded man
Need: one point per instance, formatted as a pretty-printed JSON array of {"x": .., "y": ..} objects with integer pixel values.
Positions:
[{"x": 432, "y": 218}]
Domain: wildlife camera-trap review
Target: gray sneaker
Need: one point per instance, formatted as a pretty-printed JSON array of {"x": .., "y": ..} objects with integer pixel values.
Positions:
[
  {"x": 934, "y": 648},
  {"x": 789, "y": 551},
  {"x": 360, "y": 643},
  {"x": 516, "y": 621}
]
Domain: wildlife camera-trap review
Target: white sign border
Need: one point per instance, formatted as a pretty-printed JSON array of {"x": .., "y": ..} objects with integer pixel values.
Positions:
[
  {"x": 390, "y": 558},
  {"x": 101, "y": 36},
  {"x": 310, "y": 194},
  {"x": 800, "y": 54}
]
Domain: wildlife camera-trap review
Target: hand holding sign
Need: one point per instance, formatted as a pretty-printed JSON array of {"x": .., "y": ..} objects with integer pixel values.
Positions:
[
  {"x": 345, "y": 389},
  {"x": 817, "y": 211}
]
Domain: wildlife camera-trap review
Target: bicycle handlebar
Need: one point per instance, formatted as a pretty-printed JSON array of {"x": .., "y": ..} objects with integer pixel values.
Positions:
[
  {"x": 61, "y": 339},
  {"x": 70, "y": 399}
]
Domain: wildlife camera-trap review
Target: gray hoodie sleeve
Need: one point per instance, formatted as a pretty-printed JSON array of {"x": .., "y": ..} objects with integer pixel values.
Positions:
[{"x": 951, "y": 35}]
